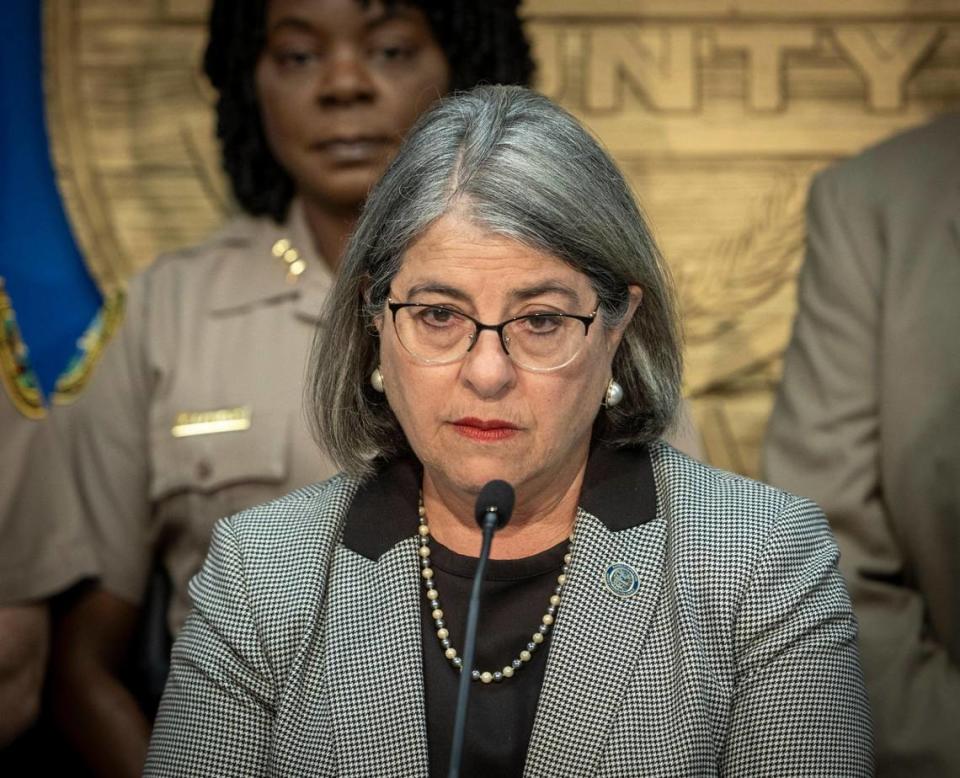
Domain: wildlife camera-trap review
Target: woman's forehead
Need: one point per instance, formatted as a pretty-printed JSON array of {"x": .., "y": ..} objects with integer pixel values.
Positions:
[
  {"x": 455, "y": 254},
  {"x": 369, "y": 9}
]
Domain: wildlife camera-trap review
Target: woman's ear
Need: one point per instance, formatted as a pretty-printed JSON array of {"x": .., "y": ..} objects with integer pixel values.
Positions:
[
  {"x": 635, "y": 293},
  {"x": 636, "y": 297},
  {"x": 364, "y": 288}
]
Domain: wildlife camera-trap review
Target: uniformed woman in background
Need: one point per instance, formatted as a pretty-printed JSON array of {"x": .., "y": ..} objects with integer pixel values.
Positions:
[{"x": 195, "y": 411}]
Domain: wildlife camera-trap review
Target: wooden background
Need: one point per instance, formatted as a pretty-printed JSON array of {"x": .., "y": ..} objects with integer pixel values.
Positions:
[{"x": 719, "y": 111}]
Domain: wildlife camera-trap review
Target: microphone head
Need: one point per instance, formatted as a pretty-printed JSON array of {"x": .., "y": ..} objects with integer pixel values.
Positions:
[{"x": 495, "y": 496}]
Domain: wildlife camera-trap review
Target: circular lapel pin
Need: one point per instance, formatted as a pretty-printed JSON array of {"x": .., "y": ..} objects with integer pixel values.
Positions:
[{"x": 621, "y": 579}]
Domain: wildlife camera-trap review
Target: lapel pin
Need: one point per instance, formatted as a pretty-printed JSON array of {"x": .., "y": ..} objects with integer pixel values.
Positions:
[{"x": 621, "y": 579}]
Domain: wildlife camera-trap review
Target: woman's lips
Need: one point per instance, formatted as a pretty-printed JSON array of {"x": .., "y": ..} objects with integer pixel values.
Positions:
[
  {"x": 353, "y": 150},
  {"x": 485, "y": 430}
]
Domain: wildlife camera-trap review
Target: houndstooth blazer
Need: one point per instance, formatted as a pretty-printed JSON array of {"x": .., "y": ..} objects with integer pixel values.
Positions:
[{"x": 736, "y": 656}]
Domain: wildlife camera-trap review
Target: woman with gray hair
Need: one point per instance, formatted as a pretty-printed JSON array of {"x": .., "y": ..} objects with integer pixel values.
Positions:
[{"x": 503, "y": 313}]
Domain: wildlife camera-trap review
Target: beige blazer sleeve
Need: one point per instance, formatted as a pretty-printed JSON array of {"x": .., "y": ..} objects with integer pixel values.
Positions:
[{"x": 825, "y": 442}]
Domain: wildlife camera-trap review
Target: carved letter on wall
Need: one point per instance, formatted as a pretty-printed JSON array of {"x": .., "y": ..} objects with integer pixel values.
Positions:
[
  {"x": 548, "y": 52},
  {"x": 886, "y": 56},
  {"x": 765, "y": 46},
  {"x": 657, "y": 61}
]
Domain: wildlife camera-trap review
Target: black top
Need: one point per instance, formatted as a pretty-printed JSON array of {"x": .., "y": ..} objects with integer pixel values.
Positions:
[
  {"x": 618, "y": 489},
  {"x": 500, "y": 716}
]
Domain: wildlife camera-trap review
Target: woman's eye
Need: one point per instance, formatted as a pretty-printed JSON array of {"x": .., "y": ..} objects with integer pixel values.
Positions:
[
  {"x": 438, "y": 317},
  {"x": 294, "y": 58},
  {"x": 394, "y": 53},
  {"x": 390, "y": 49},
  {"x": 543, "y": 324}
]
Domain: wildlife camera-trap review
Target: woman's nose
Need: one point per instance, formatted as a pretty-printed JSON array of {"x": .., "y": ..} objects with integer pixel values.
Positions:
[
  {"x": 487, "y": 368},
  {"x": 346, "y": 79}
]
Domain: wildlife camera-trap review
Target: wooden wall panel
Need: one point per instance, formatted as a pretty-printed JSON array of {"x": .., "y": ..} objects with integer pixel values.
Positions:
[{"x": 719, "y": 111}]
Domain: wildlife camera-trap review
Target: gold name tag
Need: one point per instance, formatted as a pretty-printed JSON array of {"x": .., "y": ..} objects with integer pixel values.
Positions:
[{"x": 189, "y": 423}]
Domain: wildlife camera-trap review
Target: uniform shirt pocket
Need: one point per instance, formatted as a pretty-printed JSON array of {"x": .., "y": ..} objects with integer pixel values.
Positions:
[
  {"x": 198, "y": 479},
  {"x": 212, "y": 459}
]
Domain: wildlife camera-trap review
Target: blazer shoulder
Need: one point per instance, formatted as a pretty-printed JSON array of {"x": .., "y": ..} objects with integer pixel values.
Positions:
[
  {"x": 279, "y": 555},
  {"x": 715, "y": 503},
  {"x": 726, "y": 532},
  {"x": 903, "y": 166},
  {"x": 306, "y": 519}
]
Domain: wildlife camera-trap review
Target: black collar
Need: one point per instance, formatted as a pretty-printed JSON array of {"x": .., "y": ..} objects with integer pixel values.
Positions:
[{"x": 618, "y": 488}]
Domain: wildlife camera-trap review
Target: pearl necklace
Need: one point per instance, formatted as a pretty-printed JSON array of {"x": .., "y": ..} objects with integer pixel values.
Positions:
[{"x": 443, "y": 634}]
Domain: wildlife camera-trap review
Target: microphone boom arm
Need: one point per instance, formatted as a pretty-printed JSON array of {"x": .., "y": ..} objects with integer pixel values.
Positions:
[{"x": 489, "y": 526}]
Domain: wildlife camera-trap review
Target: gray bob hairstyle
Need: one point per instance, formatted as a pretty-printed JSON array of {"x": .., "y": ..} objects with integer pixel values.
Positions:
[{"x": 519, "y": 165}]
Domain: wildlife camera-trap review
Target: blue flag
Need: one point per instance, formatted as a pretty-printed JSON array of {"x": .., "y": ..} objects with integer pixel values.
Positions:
[{"x": 45, "y": 282}]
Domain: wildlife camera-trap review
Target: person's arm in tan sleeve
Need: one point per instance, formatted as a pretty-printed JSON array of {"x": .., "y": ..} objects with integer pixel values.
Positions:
[
  {"x": 24, "y": 635},
  {"x": 823, "y": 442},
  {"x": 44, "y": 549},
  {"x": 41, "y": 553},
  {"x": 106, "y": 439},
  {"x": 93, "y": 706}
]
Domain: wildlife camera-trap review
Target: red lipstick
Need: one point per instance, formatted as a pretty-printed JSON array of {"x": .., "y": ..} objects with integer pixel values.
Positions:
[{"x": 485, "y": 430}]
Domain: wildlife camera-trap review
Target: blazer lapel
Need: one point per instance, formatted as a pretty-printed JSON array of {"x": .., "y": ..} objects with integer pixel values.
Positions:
[
  {"x": 595, "y": 646},
  {"x": 373, "y": 674}
]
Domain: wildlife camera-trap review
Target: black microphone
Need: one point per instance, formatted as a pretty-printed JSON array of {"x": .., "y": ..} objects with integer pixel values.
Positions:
[{"x": 492, "y": 512}]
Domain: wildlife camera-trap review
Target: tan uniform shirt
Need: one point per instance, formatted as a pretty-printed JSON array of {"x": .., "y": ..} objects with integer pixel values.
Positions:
[
  {"x": 43, "y": 548},
  {"x": 195, "y": 411}
]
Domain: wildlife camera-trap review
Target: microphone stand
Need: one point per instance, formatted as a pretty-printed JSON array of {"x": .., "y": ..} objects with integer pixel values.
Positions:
[{"x": 489, "y": 526}]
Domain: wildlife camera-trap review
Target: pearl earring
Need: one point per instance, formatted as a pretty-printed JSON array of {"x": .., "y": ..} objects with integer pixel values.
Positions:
[
  {"x": 613, "y": 395},
  {"x": 376, "y": 380}
]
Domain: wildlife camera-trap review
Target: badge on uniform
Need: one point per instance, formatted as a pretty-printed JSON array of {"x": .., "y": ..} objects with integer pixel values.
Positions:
[
  {"x": 187, "y": 423},
  {"x": 621, "y": 579}
]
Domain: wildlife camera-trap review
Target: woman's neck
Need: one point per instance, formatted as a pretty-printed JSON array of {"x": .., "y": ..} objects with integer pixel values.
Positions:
[
  {"x": 330, "y": 228},
  {"x": 542, "y": 517}
]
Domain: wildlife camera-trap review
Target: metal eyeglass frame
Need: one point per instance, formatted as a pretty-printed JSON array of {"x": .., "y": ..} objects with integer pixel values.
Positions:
[{"x": 479, "y": 326}]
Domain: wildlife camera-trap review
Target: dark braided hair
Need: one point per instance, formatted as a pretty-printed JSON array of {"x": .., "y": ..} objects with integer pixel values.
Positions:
[{"x": 483, "y": 41}]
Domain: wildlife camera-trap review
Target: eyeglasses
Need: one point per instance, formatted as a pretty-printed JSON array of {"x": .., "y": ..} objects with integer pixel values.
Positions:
[{"x": 436, "y": 335}]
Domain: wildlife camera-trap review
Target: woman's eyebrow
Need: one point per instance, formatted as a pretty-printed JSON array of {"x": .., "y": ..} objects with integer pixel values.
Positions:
[
  {"x": 518, "y": 295},
  {"x": 386, "y": 15},
  {"x": 395, "y": 12},
  {"x": 293, "y": 23},
  {"x": 438, "y": 288},
  {"x": 547, "y": 287}
]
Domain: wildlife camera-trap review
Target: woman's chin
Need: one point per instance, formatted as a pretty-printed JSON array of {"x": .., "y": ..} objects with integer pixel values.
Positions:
[{"x": 470, "y": 476}]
